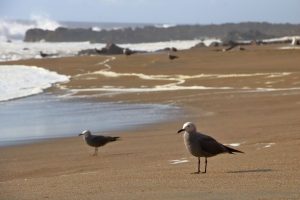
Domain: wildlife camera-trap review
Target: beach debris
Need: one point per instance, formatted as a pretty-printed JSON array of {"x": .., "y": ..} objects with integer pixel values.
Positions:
[
  {"x": 200, "y": 145},
  {"x": 178, "y": 161},
  {"x": 260, "y": 146},
  {"x": 269, "y": 145},
  {"x": 235, "y": 144},
  {"x": 96, "y": 140},
  {"x": 295, "y": 41}
]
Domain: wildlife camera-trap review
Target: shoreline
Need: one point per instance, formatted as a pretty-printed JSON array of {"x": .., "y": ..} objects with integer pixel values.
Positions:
[
  {"x": 264, "y": 124},
  {"x": 76, "y": 115}
]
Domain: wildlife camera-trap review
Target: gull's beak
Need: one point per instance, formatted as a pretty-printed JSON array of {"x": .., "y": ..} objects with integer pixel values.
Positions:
[
  {"x": 180, "y": 130},
  {"x": 80, "y": 134}
]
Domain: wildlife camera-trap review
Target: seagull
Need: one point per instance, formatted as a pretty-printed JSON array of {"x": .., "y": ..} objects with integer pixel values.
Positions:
[
  {"x": 96, "y": 140},
  {"x": 173, "y": 49},
  {"x": 127, "y": 52},
  {"x": 44, "y": 55},
  {"x": 200, "y": 145},
  {"x": 172, "y": 57}
]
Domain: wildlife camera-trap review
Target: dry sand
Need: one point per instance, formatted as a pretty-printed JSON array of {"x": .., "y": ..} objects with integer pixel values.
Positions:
[{"x": 266, "y": 123}]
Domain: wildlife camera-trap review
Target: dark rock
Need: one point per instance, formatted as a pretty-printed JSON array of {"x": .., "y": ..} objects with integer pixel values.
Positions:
[
  {"x": 112, "y": 49},
  {"x": 174, "y": 49},
  {"x": 109, "y": 49},
  {"x": 214, "y": 44},
  {"x": 164, "y": 49},
  {"x": 89, "y": 52},
  {"x": 234, "y": 48},
  {"x": 167, "y": 49},
  {"x": 199, "y": 45}
]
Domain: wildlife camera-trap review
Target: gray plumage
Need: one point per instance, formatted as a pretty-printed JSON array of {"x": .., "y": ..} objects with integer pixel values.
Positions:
[
  {"x": 96, "y": 140},
  {"x": 201, "y": 145}
]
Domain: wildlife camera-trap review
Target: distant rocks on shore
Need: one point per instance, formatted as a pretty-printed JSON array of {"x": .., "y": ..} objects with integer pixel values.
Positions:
[
  {"x": 240, "y": 31},
  {"x": 88, "y": 52},
  {"x": 199, "y": 45},
  {"x": 113, "y": 49},
  {"x": 109, "y": 49}
]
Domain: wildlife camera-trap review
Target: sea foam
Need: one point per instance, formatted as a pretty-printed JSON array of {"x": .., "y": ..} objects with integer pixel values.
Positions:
[
  {"x": 178, "y": 44},
  {"x": 18, "y": 50},
  {"x": 18, "y": 80},
  {"x": 16, "y": 29}
]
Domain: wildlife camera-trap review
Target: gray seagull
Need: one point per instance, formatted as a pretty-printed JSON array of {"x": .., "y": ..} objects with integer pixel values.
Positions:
[
  {"x": 96, "y": 140},
  {"x": 200, "y": 145},
  {"x": 171, "y": 56}
]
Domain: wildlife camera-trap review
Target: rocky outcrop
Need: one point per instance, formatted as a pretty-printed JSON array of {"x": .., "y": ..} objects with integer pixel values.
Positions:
[
  {"x": 88, "y": 52},
  {"x": 199, "y": 45},
  {"x": 109, "y": 49},
  {"x": 249, "y": 35},
  {"x": 241, "y": 31}
]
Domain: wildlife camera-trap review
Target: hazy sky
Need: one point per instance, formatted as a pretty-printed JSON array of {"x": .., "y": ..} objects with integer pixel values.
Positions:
[{"x": 155, "y": 11}]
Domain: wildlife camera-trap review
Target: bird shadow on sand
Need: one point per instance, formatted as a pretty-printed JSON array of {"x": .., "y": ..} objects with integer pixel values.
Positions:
[{"x": 251, "y": 171}]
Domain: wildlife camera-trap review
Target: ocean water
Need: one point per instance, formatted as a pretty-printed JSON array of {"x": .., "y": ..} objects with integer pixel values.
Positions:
[
  {"x": 39, "y": 115},
  {"x": 48, "y": 116},
  {"x": 18, "y": 80},
  {"x": 12, "y": 33},
  {"x": 27, "y": 114},
  {"x": 11, "y": 29},
  {"x": 18, "y": 50}
]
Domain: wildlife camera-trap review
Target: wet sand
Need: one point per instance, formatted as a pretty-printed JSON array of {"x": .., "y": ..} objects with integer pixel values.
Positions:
[{"x": 264, "y": 121}]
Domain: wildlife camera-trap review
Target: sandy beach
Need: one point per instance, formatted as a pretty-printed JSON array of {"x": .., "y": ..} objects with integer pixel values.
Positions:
[{"x": 249, "y": 97}]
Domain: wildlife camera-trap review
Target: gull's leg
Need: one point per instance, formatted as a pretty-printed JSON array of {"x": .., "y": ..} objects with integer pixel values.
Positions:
[
  {"x": 205, "y": 164},
  {"x": 96, "y": 151},
  {"x": 198, "y": 165},
  {"x": 197, "y": 172}
]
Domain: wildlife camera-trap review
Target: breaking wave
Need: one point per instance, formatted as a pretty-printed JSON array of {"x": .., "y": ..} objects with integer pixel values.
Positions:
[
  {"x": 19, "y": 81},
  {"x": 16, "y": 29}
]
